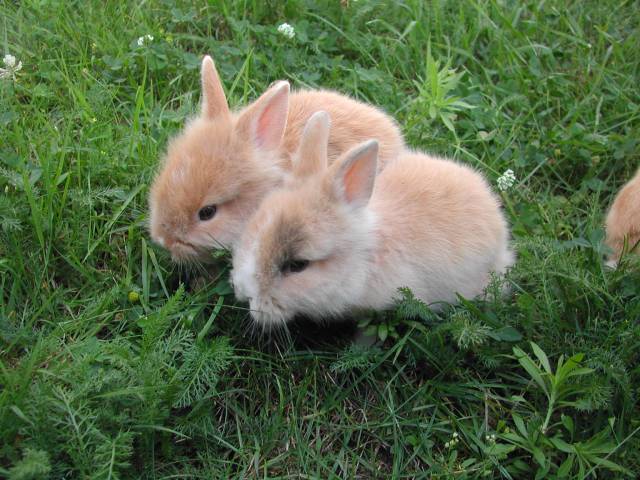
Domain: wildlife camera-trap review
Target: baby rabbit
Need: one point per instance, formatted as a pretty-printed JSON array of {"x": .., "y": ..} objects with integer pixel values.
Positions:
[
  {"x": 623, "y": 220},
  {"x": 220, "y": 167},
  {"x": 341, "y": 238}
]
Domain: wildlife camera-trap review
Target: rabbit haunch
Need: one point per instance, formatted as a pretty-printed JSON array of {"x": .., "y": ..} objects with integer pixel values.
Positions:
[
  {"x": 623, "y": 220},
  {"x": 231, "y": 160},
  {"x": 425, "y": 223}
]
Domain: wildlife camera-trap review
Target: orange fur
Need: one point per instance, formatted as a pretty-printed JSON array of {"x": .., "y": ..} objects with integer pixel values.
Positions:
[
  {"x": 623, "y": 219},
  {"x": 233, "y": 159},
  {"x": 352, "y": 122}
]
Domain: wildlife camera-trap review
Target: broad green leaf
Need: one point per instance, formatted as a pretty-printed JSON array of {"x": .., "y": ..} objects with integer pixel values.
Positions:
[
  {"x": 506, "y": 334},
  {"x": 603, "y": 462},
  {"x": 565, "y": 467},
  {"x": 371, "y": 330},
  {"x": 539, "y": 456},
  {"x": 580, "y": 371},
  {"x": 517, "y": 420},
  {"x": 573, "y": 362},
  {"x": 383, "y": 332},
  {"x": 446, "y": 119},
  {"x": 567, "y": 421},
  {"x": 531, "y": 368},
  {"x": 544, "y": 360},
  {"x": 499, "y": 449},
  {"x": 541, "y": 460},
  {"x": 562, "y": 445},
  {"x": 515, "y": 438}
]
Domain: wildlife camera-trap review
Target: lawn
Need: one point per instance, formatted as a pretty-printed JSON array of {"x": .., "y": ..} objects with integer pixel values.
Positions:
[{"x": 115, "y": 363}]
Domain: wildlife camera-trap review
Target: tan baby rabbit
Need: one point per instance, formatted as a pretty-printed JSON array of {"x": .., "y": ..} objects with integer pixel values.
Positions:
[
  {"x": 623, "y": 220},
  {"x": 220, "y": 167},
  {"x": 341, "y": 238}
]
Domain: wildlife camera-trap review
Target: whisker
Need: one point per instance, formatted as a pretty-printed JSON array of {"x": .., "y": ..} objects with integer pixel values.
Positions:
[{"x": 218, "y": 244}]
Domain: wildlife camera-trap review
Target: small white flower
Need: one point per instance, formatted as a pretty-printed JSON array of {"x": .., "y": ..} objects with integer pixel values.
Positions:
[
  {"x": 506, "y": 180},
  {"x": 287, "y": 30},
  {"x": 9, "y": 61},
  {"x": 11, "y": 68},
  {"x": 145, "y": 39},
  {"x": 453, "y": 441}
]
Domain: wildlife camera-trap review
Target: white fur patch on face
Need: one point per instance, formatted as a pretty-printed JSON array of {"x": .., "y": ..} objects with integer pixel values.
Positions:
[{"x": 243, "y": 276}]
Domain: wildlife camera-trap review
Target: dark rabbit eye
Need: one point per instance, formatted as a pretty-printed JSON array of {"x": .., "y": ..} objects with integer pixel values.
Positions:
[
  {"x": 207, "y": 213},
  {"x": 294, "y": 266}
]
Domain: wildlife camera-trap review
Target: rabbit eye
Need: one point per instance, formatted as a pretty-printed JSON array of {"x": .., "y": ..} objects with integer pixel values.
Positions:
[
  {"x": 207, "y": 213},
  {"x": 294, "y": 266}
]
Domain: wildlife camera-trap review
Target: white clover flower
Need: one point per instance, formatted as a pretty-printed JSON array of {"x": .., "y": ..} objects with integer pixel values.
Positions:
[
  {"x": 453, "y": 441},
  {"x": 506, "y": 180},
  {"x": 287, "y": 30},
  {"x": 9, "y": 61},
  {"x": 145, "y": 39},
  {"x": 11, "y": 67}
]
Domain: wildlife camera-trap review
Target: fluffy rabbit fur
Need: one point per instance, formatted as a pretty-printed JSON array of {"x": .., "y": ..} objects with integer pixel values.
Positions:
[
  {"x": 623, "y": 220},
  {"x": 330, "y": 242},
  {"x": 230, "y": 161}
]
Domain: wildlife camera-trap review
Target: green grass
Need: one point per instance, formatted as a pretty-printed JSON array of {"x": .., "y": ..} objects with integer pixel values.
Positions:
[{"x": 109, "y": 369}]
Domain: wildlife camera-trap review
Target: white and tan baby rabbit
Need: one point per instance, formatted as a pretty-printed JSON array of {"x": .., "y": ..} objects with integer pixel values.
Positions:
[
  {"x": 339, "y": 238},
  {"x": 623, "y": 220},
  {"x": 223, "y": 163}
]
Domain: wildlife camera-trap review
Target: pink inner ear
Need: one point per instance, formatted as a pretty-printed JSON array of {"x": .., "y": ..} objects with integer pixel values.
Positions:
[
  {"x": 272, "y": 121},
  {"x": 358, "y": 180}
]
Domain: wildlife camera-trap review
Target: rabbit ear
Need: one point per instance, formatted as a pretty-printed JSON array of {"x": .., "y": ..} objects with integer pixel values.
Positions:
[
  {"x": 311, "y": 156},
  {"x": 214, "y": 103},
  {"x": 355, "y": 175},
  {"x": 265, "y": 120}
]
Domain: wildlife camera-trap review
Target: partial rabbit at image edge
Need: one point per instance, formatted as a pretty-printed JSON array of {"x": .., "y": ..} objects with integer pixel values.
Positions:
[{"x": 623, "y": 220}]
